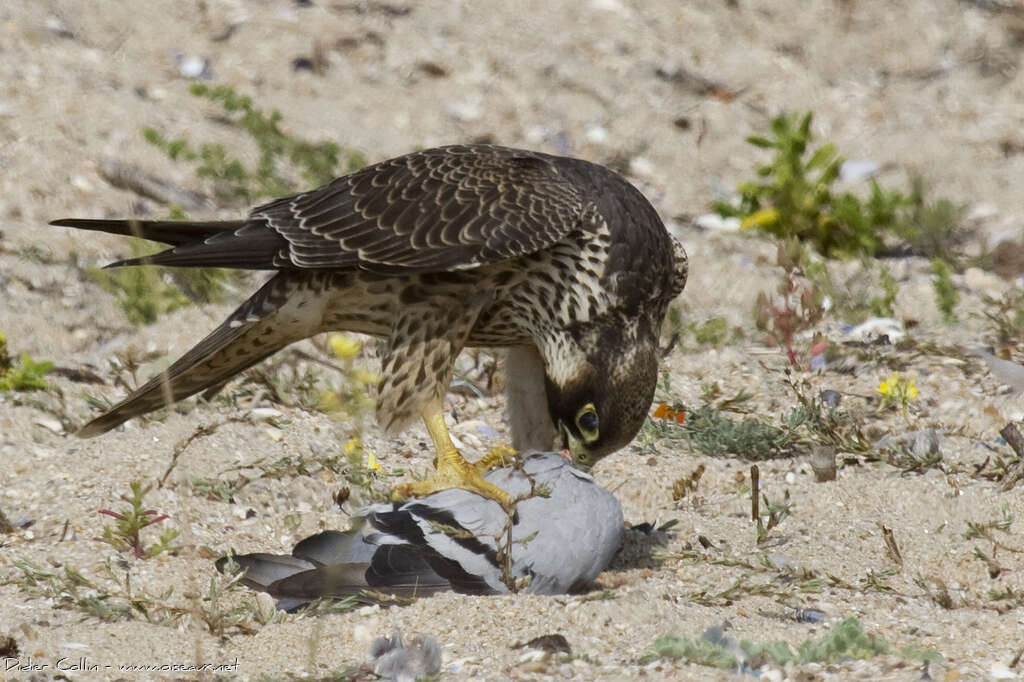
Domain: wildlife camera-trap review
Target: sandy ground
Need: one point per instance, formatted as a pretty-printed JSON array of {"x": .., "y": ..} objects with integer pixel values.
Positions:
[{"x": 932, "y": 86}]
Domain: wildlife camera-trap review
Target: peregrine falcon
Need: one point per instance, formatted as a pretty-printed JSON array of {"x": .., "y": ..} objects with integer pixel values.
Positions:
[{"x": 560, "y": 260}]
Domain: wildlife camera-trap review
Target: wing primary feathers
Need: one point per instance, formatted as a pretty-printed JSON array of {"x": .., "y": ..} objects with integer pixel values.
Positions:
[{"x": 171, "y": 232}]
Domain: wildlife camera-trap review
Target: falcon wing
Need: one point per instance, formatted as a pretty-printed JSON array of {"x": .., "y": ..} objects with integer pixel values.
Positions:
[{"x": 449, "y": 208}]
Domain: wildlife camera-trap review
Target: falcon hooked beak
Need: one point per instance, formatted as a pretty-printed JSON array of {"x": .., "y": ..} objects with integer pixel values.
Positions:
[{"x": 573, "y": 449}]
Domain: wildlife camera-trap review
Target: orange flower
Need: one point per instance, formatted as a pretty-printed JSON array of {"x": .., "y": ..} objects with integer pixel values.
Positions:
[{"x": 664, "y": 412}]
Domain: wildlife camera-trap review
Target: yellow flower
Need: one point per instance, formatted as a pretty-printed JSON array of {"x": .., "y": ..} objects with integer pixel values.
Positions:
[
  {"x": 766, "y": 216},
  {"x": 888, "y": 387},
  {"x": 371, "y": 462},
  {"x": 329, "y": 402},
  {"x": 911, "y": 389},
  {"x": 344, "y": 346},
  {"x": 352, "y": 445},
  {"x": 366, "y": 377}
]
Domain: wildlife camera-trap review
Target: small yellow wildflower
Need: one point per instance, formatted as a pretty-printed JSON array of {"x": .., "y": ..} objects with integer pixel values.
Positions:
[
  {"x": 329, "y": 402},
  {"x": 911, "y": 389},
  {"x": 366, "y": 377},
  {"x": 766, "y": 216},
  {"x": 888, "y": 386},
  {"x": 897, "y": 390},
  {"x": 371, "y": 462},
  {"x": 344, "y": 346}
]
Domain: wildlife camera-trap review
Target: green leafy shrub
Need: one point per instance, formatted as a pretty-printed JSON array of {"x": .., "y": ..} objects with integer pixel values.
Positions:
[
  {"x": 794, "y": 197},
  {"x": 25, "y": 374},
  {"x": 845, "y": 640},
  {"x": 281, "y": 157}
]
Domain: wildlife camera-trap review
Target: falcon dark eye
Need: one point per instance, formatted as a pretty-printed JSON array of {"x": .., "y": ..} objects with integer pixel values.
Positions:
[{"x": 587, "y": 422}]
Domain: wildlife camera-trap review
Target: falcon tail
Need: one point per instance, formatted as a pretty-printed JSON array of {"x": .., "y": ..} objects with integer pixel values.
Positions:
[
  {"x": 212, "y": 244},
  {"x": 249, "y": 335}
]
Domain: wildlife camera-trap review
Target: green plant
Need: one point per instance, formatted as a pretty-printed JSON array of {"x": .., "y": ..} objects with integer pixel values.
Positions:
[
  {"x": 898, "y": 391},
  {"x": 117, "y": 599},
  {"x": 797, "y": 309},
  {"x": 846, "y": 639},
  {"x": 773, "y": 513},
  {"x": 794, "y": 197},
  {"x": 885, "y": 305},
  {"x": 713, "y": 433},
  {"x": 946, "y": 295},
  {"x": 1006, "y": 316},
  {"x": 126, "y": 532},
  {"x": 25, "y": 375},
  {"x": 929, "y": 229},
  {"x": 280, "y": 156},
  {"x": 711, "y": 332}
]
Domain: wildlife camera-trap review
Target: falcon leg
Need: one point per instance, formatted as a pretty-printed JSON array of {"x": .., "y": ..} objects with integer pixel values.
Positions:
[{"x": 453, "y": 471}]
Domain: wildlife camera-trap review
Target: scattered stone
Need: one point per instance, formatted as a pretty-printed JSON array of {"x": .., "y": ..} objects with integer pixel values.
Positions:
[
  {"x": 855, "y": 170},
  {"x": 1008, "y": 259},
  {"x": 467, "y": 110},
  {"x": 49, "y": 423},
  {"x": 823, "y": 463},
  {"x": 983, "y": 282},
  {"x": 809, "y": 616},
  {"x": 922, "y": 444},
  {"x": 716, "y": 222},
  {"x": 876, "y": 330},
  {"x": 830, "y": 397},
  {"x": 596, "y": 134},
  {"x": 59, "y": 27},
  {"x": 193, "y": 67},
  {"x": 552, "y": 644},
  {"x": 265, "y": 413}
]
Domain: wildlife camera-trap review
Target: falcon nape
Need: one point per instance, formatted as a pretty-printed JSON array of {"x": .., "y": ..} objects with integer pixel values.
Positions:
[{"x": 560, "y": 260}]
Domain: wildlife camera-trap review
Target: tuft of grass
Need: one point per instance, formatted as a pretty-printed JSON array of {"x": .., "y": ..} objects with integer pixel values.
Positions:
[
  {"x": 885, "y": 305},
  {"x": 126, "y": 533},
  {"x": 283, "y": 160},
  {"x": 25, "y": 374},
  {"x": 845, "y": 640},
  {"x": 113, "y": 597},
  {"x": 712, "y": 332},
  {"x": 145, "y": 293},
  {"x": 1006, "y": 317},
  {"x": 946, "y": 295},
  {"x": 715, "y": 434}
]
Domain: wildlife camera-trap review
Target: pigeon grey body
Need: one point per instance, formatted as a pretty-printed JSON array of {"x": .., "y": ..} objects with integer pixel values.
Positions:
[{"x": 562, "y": 537}]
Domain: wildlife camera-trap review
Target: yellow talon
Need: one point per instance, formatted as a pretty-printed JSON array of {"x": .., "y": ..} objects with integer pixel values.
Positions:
[
  {"x": 498, "y": 456},
  {"x": 453, "y": 471}
]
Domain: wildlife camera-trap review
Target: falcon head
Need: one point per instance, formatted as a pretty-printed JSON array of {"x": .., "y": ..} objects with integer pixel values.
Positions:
[{"x": 599, "y": 404}]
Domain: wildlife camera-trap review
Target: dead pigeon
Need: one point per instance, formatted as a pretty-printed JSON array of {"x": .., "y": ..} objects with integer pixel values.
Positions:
[{"x": 564, "y": 532}]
